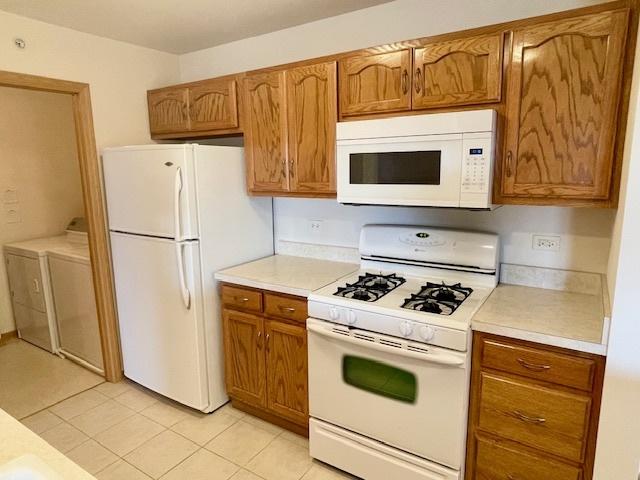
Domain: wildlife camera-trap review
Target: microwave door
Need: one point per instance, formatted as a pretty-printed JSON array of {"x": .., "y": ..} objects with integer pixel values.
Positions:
[{"x": 402, "y": 171}]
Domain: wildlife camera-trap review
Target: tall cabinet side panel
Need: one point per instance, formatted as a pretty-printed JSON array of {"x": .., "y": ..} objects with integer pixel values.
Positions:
[{"x": 234, "y": 228}]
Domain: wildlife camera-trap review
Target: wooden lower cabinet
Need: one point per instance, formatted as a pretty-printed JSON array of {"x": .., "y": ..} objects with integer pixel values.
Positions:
[
  {"x": 533, "y": 412},
  {"x": 266, "y": 355},
  {"x": 287, "y": 370}
]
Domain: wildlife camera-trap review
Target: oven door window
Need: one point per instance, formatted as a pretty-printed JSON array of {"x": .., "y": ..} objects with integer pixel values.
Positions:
[
  {"x": 395, "y": 168},
  {"x": 380, "y": 378}
]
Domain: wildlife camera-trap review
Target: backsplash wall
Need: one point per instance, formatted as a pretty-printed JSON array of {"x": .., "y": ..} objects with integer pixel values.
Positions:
[{"x": 585, "y": 234}]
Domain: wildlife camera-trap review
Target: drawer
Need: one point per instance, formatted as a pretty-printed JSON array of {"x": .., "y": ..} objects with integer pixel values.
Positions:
[
  {"x": 540, "y": 364},
  {"x": 550, "y": 420},
  {"x": 496, "y": 461},
  {"x": 243, "y": 298},
  {"x": 291, "y": 308}
]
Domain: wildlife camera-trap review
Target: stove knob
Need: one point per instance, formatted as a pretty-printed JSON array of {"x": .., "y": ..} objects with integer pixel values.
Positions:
[
  {"x": 334, "y": 314},
  {"x": 351, "y": 317},
  {"x": 406, "y": 328},
  {"x": 427, "y": 333}
]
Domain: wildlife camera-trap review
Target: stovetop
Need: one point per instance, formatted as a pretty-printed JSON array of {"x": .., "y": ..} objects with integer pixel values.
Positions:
[{"x": 430, "y": 300}]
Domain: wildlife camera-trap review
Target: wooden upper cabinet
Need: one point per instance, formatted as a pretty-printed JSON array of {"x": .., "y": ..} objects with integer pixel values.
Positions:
[
  {"x": 458, "y": 72},
  {"x": 312, "y": 116},
  {"x": 375, "y": 83},
  {"x": 168, "y": 110},
  {"x": 562, "y": 101},
  {"x": 265, "y": 134},
  {"x": 245, "y": 358},
  {"x": 213, "y": 105},
  {"x": 287, "y": 370}
]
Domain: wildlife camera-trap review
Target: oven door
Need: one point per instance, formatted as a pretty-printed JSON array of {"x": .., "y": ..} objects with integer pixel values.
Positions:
[
  {"x": 374, "y": 385},
  {"x": 414, "y": 170}
]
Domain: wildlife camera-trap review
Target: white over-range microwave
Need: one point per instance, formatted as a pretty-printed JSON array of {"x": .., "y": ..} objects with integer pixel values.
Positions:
[{"x": 436, "y": 160}]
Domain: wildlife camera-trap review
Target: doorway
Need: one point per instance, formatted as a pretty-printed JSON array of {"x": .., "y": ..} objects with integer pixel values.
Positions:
[{"x": 74, "y": 190}]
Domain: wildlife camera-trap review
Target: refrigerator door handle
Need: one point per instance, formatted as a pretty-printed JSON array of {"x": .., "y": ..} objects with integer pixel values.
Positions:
[
  {"x": 184, "y": 290},
  {"x": 177, "y": 188}
]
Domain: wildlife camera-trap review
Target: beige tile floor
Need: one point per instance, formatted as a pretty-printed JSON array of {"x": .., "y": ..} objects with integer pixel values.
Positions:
[
  {"x": 32, "y": 379},
  {"x": 125, "y": 432}
]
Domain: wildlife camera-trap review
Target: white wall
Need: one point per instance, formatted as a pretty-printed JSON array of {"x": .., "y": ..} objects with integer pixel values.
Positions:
[
  {"x": 118, "y": 73},
  {"x": 585, "y": 233},
  {"x": 39, "y": 162},
  {"x": 618, "y": 452},
  {"x": 387, "y": 23}
]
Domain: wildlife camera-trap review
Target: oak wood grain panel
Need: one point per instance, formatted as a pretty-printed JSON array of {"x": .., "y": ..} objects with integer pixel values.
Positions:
[
  {"x": 285, "y": 306},
  {"x": 312, "y": 116},
  {"x": 242, "y": 298},
  {"x": 287, "y": 392},
  {"x": 375, "y": 83},
  {"x": 567, "y": 370},
  {"x": 214, "y": 105},
  {"x": 458, "y": 72},
  {"x": 562, "y": 101},
  {"x": 245, "y": 371},
  {"x": 265, "y": 132},
  {"x": 497, "y": 461},
  {"x": 551, "y": 420},
  {"x": 168, "y": 110}
]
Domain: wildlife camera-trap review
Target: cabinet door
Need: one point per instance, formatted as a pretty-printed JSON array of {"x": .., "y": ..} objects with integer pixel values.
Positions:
[
  {"x": 564, "y": 90},
  {"x": 375, "y": 83},
  {"x": 244, "y": 357},
  {"x": 265, "y": 134},
  {"x": 213, "y": 105},
  {"x": 458, "y": 72},
  {"x": 287, "y": 371},
  {"x": 168, "y": 110},
  {"x": 312, "y": 116}
]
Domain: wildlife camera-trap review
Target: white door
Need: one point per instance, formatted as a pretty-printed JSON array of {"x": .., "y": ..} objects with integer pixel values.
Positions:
[
  {"x": 160, "y": 317},
  {"x": 25, "y": 280},
  {"x": 412, "y": 397},
  {"x": 150, "y": 190}
]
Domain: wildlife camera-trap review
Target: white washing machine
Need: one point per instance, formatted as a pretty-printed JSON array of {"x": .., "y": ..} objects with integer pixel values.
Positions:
[{"x": 75, "y": 306}]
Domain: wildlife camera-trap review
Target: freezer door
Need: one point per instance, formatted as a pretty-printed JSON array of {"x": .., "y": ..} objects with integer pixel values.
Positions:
[
  {"x": 150, "y": 190},
  {"x": 161, "y": 328}
]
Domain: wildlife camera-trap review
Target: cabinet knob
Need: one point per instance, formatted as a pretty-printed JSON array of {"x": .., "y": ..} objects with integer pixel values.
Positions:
[
  {"x": 284, "y": 168},
  {"x": 418, "y": 82},
  {"x": 405, "y": 81},
  {"x": 291, "y": 169}
]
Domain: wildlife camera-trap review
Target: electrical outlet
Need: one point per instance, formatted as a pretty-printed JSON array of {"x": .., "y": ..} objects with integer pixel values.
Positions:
[
  {"x": 316, "y": 226},
  {"x": 550, "y": 243}
]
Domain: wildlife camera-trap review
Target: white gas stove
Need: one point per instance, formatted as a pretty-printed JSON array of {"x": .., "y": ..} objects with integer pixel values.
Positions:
[
  {"x": 389, "y": 353},
  {"x": 417, "y": 283}
]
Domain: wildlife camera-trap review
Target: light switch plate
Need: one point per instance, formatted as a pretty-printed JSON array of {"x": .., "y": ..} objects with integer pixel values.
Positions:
[
  {"x": 10, "y": 195},
  {"x": 12, "y": 214}
]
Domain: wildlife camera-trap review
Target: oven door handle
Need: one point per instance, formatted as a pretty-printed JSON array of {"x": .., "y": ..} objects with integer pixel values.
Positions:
[{"x": 438, "y": 358}]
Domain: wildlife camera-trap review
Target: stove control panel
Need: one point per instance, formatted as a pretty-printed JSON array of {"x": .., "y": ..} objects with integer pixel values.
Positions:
[{"x": 397, "y": 327}]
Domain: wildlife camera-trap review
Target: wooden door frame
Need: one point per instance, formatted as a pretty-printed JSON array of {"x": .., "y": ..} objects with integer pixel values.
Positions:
[{"x": 92, "y": 194}]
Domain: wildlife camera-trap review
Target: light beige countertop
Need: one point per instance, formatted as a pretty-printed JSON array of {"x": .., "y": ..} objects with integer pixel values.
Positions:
[
  {"x": 286, "y": 274},
  {"x": 572, "y": 311},
  {"x": 17, "y": 440}
]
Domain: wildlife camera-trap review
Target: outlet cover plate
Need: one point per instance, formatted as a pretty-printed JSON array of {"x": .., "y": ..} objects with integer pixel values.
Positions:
[{"x": 549, "y": 243}]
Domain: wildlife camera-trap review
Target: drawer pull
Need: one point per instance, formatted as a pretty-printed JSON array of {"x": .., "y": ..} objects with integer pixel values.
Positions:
[
  {"x": 259, "y": 336},
  {"x": 528, "y": 419},
  {"x": 533, "y": 366},
  {"x": 286, "y": 309},
  {"x": 241, "y": 299},
  {"x": 511, "y": 477}
]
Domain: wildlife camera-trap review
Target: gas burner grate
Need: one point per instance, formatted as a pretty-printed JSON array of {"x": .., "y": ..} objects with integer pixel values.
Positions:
[
  {"x": 370, "y": 287},
  {"x": 441, "y": 299}
]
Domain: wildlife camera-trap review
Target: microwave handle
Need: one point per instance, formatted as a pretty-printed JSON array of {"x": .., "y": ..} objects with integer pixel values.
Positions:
[{"x": 438, "y": 358}]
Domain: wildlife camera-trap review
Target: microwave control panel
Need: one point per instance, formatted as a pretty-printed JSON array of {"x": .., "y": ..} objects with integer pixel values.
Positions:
[{"x": 477, "y": 170}]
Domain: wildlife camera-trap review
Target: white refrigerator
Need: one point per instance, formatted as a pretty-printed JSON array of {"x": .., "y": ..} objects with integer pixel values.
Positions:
[{"x": 177, "y": 214}]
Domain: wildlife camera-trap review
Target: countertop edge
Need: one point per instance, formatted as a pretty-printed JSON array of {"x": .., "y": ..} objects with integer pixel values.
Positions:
[
  {"x": 542, "y": 338},
  {"x": 299, "y": 292}
]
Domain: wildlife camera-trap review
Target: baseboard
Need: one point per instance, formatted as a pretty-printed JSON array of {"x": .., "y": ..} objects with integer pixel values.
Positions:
[
  {"x": 8, "y": 337},
  {"x": 271, "y": 418}
]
